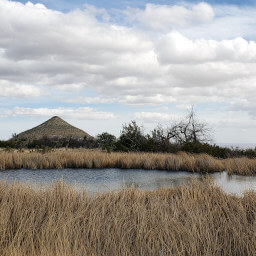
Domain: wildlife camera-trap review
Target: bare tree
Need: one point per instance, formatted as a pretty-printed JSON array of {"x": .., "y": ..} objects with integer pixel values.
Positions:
[{"x": 189, "y": 129}]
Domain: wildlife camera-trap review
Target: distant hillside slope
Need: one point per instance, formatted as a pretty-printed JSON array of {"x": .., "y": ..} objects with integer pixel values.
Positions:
[{"x": 54, "y": 127}]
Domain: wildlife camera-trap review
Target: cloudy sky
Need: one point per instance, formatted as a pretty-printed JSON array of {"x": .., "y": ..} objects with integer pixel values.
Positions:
[{"x": 101, "y": 63}]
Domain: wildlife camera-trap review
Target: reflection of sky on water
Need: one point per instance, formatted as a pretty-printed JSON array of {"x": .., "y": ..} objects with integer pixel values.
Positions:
[
  {"x": 99, "y": 180},
  {"x": 235, "y": 184}
]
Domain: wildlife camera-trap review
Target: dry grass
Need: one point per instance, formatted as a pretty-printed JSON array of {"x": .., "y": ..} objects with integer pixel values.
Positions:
[
  {"x": 97, "y": 159},
  {"x": 196, "y": 219}
]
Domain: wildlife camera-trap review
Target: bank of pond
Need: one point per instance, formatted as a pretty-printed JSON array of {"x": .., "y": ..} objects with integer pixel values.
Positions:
[
  {"x": 104, "y": 180},
  {"x": 63, "y": 159}
]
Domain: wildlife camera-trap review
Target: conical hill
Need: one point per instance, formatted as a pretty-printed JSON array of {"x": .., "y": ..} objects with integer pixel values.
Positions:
[{"x": 53, "y": 128}]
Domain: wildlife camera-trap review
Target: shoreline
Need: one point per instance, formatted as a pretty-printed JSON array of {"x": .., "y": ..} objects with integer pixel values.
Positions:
[{"x": 86, "y": 159}]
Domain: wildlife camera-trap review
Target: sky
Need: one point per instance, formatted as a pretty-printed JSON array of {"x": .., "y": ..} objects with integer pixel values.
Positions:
[{"x": 100, "y": 64}]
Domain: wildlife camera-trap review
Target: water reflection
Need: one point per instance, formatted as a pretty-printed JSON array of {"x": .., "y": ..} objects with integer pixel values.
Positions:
[
  {"x": 235, "y": 184},
  {"x": 100, "y": 180}
]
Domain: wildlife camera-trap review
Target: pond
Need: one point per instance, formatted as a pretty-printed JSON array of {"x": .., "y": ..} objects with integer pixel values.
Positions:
[{"x": 100, "y": 180}]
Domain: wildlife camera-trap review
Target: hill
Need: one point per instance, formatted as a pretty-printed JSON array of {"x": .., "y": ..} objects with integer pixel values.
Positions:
[{"x": 53, "y": 128}]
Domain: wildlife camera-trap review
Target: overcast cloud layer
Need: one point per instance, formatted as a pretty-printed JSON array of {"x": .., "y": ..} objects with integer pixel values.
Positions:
[{"x": 88, "y": 64}]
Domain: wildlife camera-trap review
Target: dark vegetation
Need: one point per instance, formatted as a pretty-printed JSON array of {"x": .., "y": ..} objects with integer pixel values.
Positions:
[
  {"x": 46, "y": 142},
  {"x": 188, "y": 135}
]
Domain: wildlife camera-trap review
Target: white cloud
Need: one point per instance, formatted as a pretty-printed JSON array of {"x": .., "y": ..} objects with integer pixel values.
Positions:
[
  {"x": 166, "y": 17},
  {"x": 230, "y": 21},
  {"x": 89, "y": 100},
  {"x": 14, "y": 90},
  {"x": 206, "y": 59},
  {"x": 38, "y": 6},
  {"x": 146, "y": 100},
  {"x": 154, "y": 117},
  {"x": 86, "y": 113},
  {"x": 176, "y": 48},
  {"x": 74, "y": 51},
  {"x": 71, "y": 50},
  {"x": 248, "y": 105}
]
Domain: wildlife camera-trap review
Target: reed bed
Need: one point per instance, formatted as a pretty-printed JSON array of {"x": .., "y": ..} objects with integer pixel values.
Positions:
[
  {"x": 61, "y": 159},
  {"x": 196, "y": 219}
]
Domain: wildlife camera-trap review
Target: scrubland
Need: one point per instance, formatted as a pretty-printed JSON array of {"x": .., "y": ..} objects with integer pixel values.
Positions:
[
  {"x": 195, "y": 219},
  {"x": 60, "y": 159}
]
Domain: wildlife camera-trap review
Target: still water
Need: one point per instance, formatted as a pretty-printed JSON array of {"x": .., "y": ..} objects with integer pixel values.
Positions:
[{"x": 100, "y": 180}]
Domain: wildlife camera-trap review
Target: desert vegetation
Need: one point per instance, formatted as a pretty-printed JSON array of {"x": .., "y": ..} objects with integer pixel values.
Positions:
[
  {"x": 195, "y": 219},
  {"x": 68, "y": 158}
]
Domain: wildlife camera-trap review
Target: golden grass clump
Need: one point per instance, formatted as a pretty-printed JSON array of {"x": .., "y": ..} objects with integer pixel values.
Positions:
[
  {"x": 181, "y": 161},
  {"x": 195, "y": 219}
]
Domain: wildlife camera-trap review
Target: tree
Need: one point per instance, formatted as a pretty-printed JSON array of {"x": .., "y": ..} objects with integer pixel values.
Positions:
[
  {"x": 189, "y": 130},
  {"x": 106, "y": 140},
  {"x": 160, "y": 140},
  {"x": 132, "y": 137}
]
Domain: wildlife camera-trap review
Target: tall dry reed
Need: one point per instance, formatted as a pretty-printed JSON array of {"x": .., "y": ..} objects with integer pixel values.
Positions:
[
  {"x": 97, "y": 159},
  {"x": 196, "y": 219}
]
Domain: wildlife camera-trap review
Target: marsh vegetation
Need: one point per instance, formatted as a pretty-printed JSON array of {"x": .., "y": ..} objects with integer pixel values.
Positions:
[
  {"x": 196, "y": 219},
  {"x": 68, "y": 158}
]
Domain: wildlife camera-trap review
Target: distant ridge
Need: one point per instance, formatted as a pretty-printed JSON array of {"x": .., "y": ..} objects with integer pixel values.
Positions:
[{"x": 53, "y": 128}]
